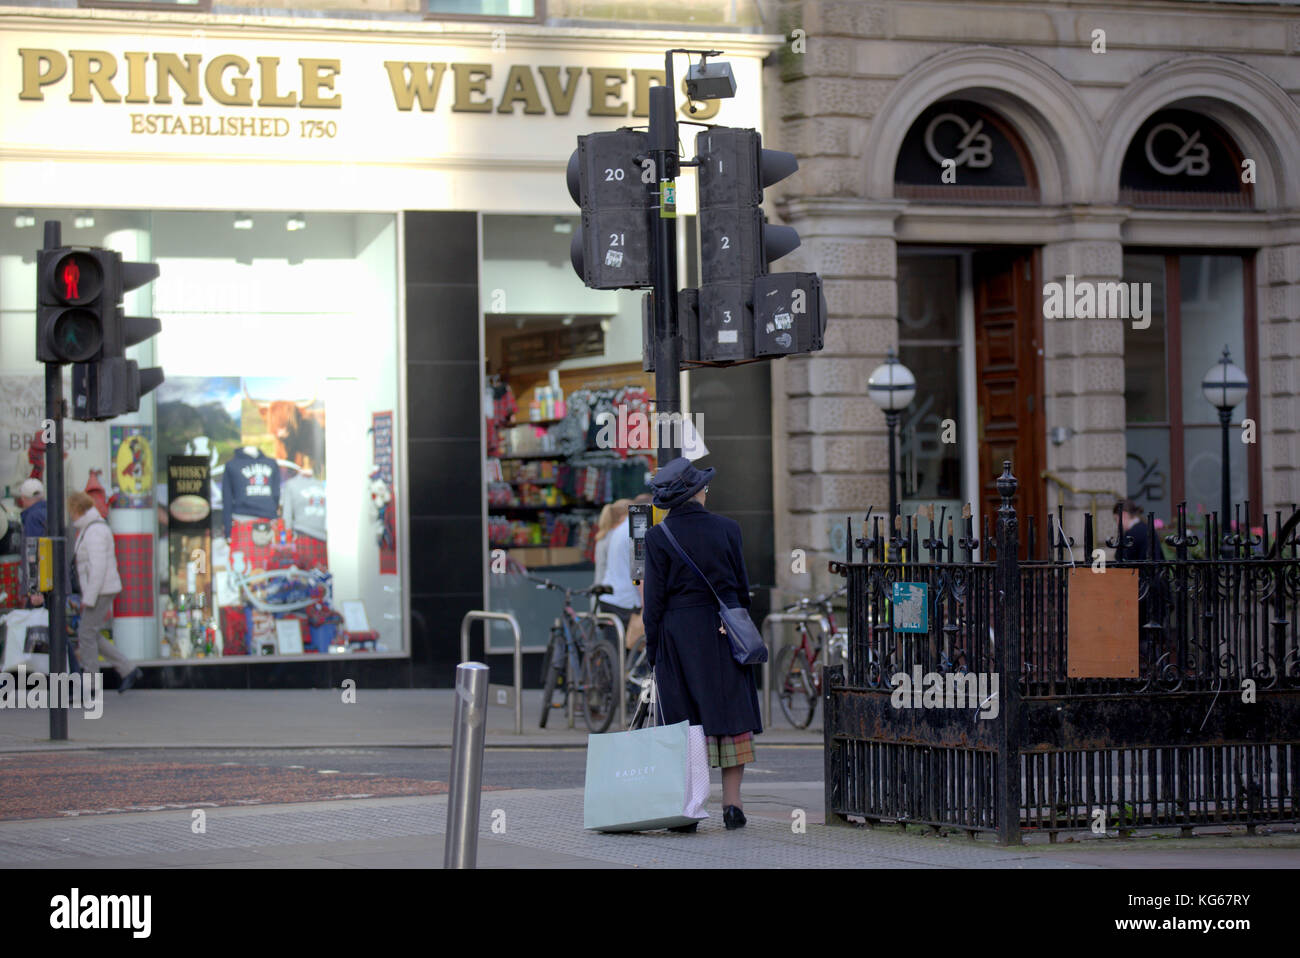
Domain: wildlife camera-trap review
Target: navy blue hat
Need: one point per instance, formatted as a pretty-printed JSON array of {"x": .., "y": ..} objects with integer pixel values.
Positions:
[{"x": 677, "y": 481}]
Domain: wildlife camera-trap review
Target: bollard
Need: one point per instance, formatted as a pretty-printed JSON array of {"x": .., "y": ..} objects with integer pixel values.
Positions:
[{"x": 468, "y": 733}]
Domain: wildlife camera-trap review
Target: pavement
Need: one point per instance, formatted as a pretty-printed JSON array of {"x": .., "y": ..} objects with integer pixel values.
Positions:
[
  {"x": 403, "y": 824},
  {"x": 305, "y": 718}
]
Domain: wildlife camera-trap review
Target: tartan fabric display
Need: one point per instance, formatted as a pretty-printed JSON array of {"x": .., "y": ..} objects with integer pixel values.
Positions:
[
  {"x": 10, "y": 584},
  {"x": 311, "y": 553},
  {"x": 234, "y": 630},
  {"x": 726, "y": 751},
  {"x": 361, "y": 640},
  {"x": 135, "y": 555},
  {"x": 246, "y": 536}
]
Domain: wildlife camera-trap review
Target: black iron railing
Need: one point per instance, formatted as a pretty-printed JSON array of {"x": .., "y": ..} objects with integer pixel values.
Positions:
[{"x": 1205, "y": 729}]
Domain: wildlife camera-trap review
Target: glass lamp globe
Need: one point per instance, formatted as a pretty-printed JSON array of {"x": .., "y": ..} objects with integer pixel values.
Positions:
[
  {"x": 1224, "y": 385},
  {"x": 892, "y": 385}
]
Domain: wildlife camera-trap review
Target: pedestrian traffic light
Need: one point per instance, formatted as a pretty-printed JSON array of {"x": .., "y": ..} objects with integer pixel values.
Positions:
[
  {"x": 79, "y": 320},
  {"x": 69, "y": 305},
  {"x": 688, "y": 309},
  {"x": 611, "y": 248},
  {"x": 112, "y": 384}
]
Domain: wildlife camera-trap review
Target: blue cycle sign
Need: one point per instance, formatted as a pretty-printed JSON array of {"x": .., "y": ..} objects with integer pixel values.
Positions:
[{"x": 911, "y": 608}]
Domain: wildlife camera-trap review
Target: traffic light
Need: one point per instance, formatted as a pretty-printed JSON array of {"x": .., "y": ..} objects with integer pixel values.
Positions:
[
  {"x": 611, "y": 249},
  {"x": 688, "y": 332},
  {"x": 69, "y": 305},
  {"x": 113, "y": 384},
  {"x": 80, "y": 320},
  {"x": 736, "y": 245}
]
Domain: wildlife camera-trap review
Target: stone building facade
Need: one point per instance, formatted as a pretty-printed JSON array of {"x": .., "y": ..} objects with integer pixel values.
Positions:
[{"x": 1069, "y": 93}]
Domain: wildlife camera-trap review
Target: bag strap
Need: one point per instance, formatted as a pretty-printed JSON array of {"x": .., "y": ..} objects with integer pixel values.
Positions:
[{"x": 682, "y": 552}]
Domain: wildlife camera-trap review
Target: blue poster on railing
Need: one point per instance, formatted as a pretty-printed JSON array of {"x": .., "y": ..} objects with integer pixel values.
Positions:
[{"x": 911, "y": 608}]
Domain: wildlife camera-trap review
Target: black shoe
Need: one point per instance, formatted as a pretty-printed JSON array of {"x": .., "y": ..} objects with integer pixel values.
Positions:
[
  {"x": 733, "y": 817},
  {"x": 685, "y": 828},
  {"x": 128, "y": 682}
]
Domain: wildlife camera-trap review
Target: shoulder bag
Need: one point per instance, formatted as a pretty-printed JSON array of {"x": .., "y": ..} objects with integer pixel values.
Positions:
[{"x": 747, "y": 646}]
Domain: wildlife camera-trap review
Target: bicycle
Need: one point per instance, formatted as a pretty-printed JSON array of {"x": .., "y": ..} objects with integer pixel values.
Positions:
[
  {"x": 576, "y": 650},
  {"x": 799, "y": 681}
]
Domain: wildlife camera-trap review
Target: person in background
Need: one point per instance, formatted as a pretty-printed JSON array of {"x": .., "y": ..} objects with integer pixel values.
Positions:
[
  {"x": 1129, "y": 514},
  {"x": 31, "y": 500},
  {"x": 625, "y": 600},
  {"x": 96, "y": 559},
  {"x": 610, "y": 516}
]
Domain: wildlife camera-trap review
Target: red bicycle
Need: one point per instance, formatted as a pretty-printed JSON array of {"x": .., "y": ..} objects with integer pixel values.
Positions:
[{"x": 798, "y": 677}]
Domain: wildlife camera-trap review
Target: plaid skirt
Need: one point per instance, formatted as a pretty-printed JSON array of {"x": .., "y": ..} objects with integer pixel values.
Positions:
[{"x": 726, "y": 751}]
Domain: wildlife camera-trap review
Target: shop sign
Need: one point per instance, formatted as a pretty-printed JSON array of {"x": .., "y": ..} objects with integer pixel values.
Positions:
[{"x": 287, "y": 99}]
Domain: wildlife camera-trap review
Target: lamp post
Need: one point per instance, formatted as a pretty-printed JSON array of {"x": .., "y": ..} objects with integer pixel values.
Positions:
[
  {"x": 1224, "y": 386},
  {"x": 891, "y": 387}
]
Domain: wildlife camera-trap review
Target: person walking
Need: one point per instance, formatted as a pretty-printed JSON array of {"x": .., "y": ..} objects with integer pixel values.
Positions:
[
  {"x": 697, "y": 678},
  {"x": 96, "y": 562}
]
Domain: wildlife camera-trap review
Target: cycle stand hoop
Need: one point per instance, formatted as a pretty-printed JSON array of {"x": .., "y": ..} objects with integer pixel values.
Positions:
[{"x": 487, "y": 617}]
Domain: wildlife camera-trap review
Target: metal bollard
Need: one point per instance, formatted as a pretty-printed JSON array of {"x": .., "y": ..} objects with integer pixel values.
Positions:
[{"x": 467, "y": 740}]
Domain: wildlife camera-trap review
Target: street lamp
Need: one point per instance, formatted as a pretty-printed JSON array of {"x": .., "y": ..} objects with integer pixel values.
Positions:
[
  {"x": 891, "y": 387},
  {"x": 1224, "y": 386}
]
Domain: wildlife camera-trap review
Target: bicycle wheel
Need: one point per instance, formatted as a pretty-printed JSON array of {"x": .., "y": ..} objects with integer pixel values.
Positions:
[
  {"x": 599, "y": 685},
  {"x": 550, "y": 674},
  {"x": 795, "y": 687}
]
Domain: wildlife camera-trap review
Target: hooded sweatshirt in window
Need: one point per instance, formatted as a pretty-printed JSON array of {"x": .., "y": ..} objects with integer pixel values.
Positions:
[{"x": 250, "y": 487}]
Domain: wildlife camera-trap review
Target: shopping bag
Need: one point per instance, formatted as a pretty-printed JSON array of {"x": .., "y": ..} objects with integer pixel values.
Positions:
[
  {"x": 655, "y": 777},
  {"x": 16, "y": 629}
]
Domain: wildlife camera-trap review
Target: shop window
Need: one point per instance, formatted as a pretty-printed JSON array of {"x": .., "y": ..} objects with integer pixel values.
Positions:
[
  {"x": 567, "y": 408},
  {"x": 1199, "y": 304},
  {"x": 1182, "y": 158},
  {"x": 959, "y": 151},
  {"x": 253, "y": 498}
]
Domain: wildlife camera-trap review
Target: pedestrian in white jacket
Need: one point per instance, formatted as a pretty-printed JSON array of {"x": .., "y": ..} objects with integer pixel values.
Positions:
[{"x": 96, "y": 559}]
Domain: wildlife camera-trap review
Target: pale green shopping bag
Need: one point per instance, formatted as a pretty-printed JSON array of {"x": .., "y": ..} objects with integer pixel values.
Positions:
[{"x": 638, "y": 780}]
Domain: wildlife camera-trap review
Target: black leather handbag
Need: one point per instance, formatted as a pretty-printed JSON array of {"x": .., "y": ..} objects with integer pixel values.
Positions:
[{"x": 747, "y": 645}]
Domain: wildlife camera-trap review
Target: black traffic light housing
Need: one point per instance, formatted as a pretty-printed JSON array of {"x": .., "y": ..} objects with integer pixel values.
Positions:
[
  {"x": 744, "y": 311},
  {"x": 80, "y": 321},
  {"x": 611, "y": 249}
]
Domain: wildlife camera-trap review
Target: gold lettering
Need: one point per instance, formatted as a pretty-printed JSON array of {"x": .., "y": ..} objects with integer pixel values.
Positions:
[
  {"x": 270, "y": 86},
  {"x": 34, "y": 77},
  {"x": 319, "y": 75},
  {"x": 561, "y": 97},
  {"x": 240, "y": 92},
  {"x": 642, "y": 80},
  {"x": 170, "y": 68},
  {"x": 607, "y": 82},
  {"x": 520, "y": 86},
  {"x": 135, "y": 81},
  {"x": 88, "y": 69},
  {"x": 137, "y": 122},
  {"x": 471, "y": 78},
  {"x": 411, "y": 80}
]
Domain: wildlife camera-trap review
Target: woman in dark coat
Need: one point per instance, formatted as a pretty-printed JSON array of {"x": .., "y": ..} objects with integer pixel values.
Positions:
[{"x": 697, "y": 677}]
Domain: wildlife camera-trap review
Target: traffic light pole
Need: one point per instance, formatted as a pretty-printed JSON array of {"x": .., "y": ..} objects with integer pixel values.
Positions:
[
  {"x": 667, "y": 345},
  {"x": 54, "y": 525}
]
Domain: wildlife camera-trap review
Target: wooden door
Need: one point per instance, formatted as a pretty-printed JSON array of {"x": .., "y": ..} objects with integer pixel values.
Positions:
[{"x": 1009, "y": 393}]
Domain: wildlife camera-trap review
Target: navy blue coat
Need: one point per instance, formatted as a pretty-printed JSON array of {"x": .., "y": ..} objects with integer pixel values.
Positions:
[{"x": 697, "y": 677}]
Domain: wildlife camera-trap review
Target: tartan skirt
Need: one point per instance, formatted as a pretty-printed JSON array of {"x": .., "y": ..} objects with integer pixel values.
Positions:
[{"x": 726, "y": 751}]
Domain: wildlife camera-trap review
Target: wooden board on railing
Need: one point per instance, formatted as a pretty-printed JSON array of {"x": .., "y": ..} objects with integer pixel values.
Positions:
[{"x": 1103, "y": 622}]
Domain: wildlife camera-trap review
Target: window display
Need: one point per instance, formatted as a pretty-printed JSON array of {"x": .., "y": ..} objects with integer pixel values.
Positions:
[{"x": 219, "y": 490}]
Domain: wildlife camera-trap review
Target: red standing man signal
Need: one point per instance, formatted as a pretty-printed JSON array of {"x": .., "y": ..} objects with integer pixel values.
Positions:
[{"x": 71, "y": 277}]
